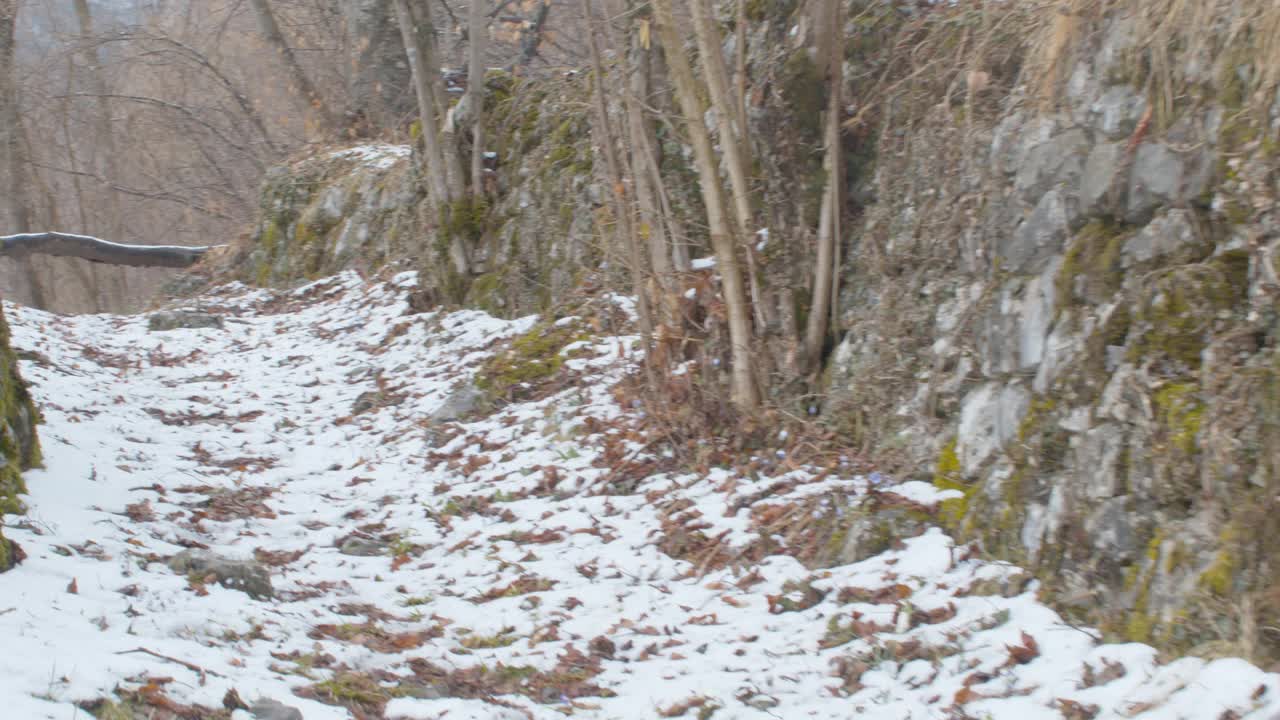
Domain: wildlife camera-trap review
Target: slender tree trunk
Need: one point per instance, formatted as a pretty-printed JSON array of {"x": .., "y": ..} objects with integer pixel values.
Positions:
[
  {"x": 733, "y": 140},
  {"x": 104, "y": 163},
  {"x": 822, "y": 305},
  {"x": 626, "y": 236},
  {"x": 643, "y": 160},
  {"x": 17, "y": 214},
  {"x": 741, "y": 57},
  {"x": 421, "y": 64},
  {"x": 380, "y": 86},
  {"x": 477, "y": 32},
  {"x": 745, "y": 394},
  {"x": 302, "y": 84}
]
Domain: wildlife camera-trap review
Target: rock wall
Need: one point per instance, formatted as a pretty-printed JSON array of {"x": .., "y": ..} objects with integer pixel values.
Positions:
[
  {"x": 533, "y": 235},
  {"x": 19, "y": 446},
  {"x": 1061, "y": 301}
]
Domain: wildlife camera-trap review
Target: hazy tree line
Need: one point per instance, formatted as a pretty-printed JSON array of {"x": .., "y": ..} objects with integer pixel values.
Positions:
[{"x": 154, "y": 122}]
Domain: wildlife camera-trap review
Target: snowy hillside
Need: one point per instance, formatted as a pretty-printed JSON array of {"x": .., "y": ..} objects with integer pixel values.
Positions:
[{"x": 301, "y": 509}]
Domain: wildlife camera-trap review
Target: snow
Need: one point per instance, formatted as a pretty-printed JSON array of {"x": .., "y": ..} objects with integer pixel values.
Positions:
[
  {"x": 380, "y": 156},
  {"x": 704, "y": 263},
  {"x": 508, "y": 549}
]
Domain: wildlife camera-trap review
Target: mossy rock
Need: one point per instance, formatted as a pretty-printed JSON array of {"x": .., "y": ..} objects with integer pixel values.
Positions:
[
  {"x": 947, "y": 476},
  {"x": 533, "y": 359},
  {"x": 1181, "y": 309}
]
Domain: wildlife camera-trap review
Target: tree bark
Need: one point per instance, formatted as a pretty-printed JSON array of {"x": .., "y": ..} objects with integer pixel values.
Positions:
[
  {"x": 477, "y": 31},
  {"x": 270, "y": 30},
  {"x": 13, "y": 166},
  {"x": 95, "y": 250},
  {"x": 822, "y": 304},
  {"x": 531, "y": 38},
  {"x": 425, "y": 66},
  {"x": 745, "y": 394},
  {"x": 645, "y": 177},
  {"x": 380, "y": 86},
  {"x": 626, "y": 236}
]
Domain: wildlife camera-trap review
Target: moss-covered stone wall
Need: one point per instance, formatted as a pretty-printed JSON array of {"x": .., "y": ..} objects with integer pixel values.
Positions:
[
  {"x": 1065, "y": 290},
  {"x": 19, "y": 446}
]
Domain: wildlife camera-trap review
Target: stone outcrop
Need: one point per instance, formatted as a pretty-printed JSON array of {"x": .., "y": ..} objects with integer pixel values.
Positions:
[{"x": 532, "y": 237}]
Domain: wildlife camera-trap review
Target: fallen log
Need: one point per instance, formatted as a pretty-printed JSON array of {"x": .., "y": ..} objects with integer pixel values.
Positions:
[{"x": 101, "y": 251}]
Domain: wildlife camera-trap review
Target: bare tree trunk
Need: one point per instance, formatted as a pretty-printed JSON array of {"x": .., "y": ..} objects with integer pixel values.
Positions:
[
  {"x": 745, "y": 394},
  {"x": 440, "y": 190},
  {"x": 477, "y": 32},
  {"x": 301, "y": 82},
  {"x": 531, "y": 38},
  {"x": 822, "y": 304},
  {"x": 104, "y": 163},
  {"x": 741, "y": 56},
  {"x": 626, "y": 236},
  {"x": 429, "y": 52}
]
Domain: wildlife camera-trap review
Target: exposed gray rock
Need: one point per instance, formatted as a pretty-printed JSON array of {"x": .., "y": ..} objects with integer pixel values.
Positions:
[
  {"x": 1100, "y": 171},
  {"x": 244, "y": 575},
  {"x": 1110, "y": 529},
  {"x": 1041, "y": 236},
  {"x": 1013, "y": 332},
  {"x": 182, "y": 319},
  {"x": 1164, "y": 236},
  {"x": 462, "y": 401},
  {"x": 1097, "y": 460},
  {"x": 1042, "y": 521},
  {"x": 1117, "y": 112},
  {"x": 268, "y": 709},
  {"x": 365, "y": 402},
  {"x": 989, "y": 418},
  {"x": 1059, "y": 161},
  {"x": 1035, "y": 313},
  {"x": 1163, "y": 176},
  {"x": 424, "y": 691}
]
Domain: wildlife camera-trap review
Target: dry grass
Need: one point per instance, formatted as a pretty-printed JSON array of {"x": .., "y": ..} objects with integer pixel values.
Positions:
[{"x": 1181, "y": 50}]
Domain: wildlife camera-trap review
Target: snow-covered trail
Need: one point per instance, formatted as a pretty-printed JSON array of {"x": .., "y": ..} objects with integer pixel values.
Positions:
[{"x": 425, "y": 568}]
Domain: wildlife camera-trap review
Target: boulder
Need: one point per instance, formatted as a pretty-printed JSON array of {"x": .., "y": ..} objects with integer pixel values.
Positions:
[
  {"x": 268, "y": 709},
  {"x": 462, "y": 401},
  {"x": 182, "y": 320},
  {"x": 246, "y": 576}
]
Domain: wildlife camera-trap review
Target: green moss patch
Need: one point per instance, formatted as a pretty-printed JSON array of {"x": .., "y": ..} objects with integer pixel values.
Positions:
[
  {"x": 1091, "y": 269},
  {"x": 533, "y": 359},
  {"x": 1180, "y": 310}
]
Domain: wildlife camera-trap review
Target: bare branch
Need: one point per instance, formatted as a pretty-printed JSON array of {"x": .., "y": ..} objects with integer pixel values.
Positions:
[{"x": 100, "y": 251}]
